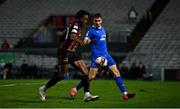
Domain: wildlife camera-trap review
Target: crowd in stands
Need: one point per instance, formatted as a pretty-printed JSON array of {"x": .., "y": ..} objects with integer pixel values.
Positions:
[
  {"x": 5, "y": 45},
  {"x": 26, "y": 71},
  {"x": 135, "y": 71},
  {"x": 6, "y": 69}
]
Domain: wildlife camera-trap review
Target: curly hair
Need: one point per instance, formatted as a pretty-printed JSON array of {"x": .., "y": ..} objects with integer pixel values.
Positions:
[{"x": 81, "y": 13}]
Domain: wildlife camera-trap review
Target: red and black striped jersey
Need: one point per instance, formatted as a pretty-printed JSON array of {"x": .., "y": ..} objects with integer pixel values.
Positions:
[{"x": 68, "y": 44}]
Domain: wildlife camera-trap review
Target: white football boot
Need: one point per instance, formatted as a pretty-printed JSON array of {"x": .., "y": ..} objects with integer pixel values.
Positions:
[
  {"x": 90, "y": 98},
  {"x": 42, "y": 93}
]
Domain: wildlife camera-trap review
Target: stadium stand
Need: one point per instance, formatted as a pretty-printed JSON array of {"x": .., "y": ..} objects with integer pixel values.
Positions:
[
  {"x": 17, "y": 16},
  {"x": 159, "y": 48},
  {"x": 160, "y": 45}
]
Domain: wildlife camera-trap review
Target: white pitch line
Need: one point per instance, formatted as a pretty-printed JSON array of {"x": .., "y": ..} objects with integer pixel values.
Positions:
[
  {"x": 7, "y": 85},
  {"x": 10, "y": 85},
  {"x": 29, "y": 83}
]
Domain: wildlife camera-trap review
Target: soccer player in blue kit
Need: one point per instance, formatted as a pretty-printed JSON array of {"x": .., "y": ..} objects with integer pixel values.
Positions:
[{"x": 97, "y": 36}]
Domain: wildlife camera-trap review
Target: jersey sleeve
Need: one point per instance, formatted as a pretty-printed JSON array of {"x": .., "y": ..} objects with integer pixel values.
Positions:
[
  {"x": 88, "y": 34},
  {"x": 75, "y": 29}
]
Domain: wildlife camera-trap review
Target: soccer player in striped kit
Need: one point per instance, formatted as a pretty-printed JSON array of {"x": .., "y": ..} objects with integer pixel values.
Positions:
[{"x": 68, "y": 55}]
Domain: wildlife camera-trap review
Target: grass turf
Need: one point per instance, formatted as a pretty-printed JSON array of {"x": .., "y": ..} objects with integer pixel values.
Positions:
[{"x": 149, "y": 94}]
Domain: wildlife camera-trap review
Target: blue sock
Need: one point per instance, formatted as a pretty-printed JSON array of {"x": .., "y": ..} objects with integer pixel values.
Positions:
[
  {"x": 79, "y": 85},
  {"x": 120, "y": 84}
]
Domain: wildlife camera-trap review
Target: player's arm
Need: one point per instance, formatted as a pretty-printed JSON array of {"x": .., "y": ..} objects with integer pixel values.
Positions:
[
  {"x": 87, "y": 39},
  {"x": 60, "y": 33},
  {"x": 74, "y": 37}
]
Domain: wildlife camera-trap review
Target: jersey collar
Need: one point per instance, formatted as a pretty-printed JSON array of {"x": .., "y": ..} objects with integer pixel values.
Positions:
[{"x": 96, "y": 27}]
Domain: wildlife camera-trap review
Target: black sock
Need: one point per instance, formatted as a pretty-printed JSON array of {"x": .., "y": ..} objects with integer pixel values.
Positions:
[
  {"x": 53, "y": 81},
  {"x": 85, "y": 83}
]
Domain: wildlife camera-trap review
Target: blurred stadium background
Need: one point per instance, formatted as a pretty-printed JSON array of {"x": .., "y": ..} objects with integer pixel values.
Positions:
[{"x": 152, "y": 38}]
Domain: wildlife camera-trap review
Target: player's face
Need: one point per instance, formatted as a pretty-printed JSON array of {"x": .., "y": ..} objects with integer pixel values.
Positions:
[
  {"x": 84, "y": 19},
  {"x": 97, "y": 21}
]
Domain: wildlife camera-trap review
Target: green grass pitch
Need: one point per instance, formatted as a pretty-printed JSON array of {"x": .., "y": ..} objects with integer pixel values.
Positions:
[{"x": 149, "y": 94}]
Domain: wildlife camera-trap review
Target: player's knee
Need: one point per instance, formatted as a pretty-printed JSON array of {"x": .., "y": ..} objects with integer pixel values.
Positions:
[
  {"x": 116, "y": 73},
  {"x": 83, "y": 67},
  {"x": 91, "y": 77}
]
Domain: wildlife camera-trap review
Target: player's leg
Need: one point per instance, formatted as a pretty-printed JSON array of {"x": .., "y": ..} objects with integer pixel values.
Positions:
[
  {"x": 82, "y": 67},
  {"x": 113, "y": 68},
  {"x": 92, "y": 75},
  {"x": 54, "y": 79},
  {"x": 120, "y": 83},
  {"x": 57, "y": 76},
  {"x": 75, "y": 89},
  {"x": 80, "y": 85},
  {"x": 5, "y": 71},
  {"x": 118, "y": 78}
]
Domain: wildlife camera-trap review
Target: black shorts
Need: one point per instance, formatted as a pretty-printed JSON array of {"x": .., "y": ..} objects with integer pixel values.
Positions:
[{"x": 68, "y": 57}]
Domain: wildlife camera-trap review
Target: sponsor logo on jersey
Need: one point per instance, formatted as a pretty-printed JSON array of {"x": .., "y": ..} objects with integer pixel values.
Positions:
[{"x": 103, "y": 37}]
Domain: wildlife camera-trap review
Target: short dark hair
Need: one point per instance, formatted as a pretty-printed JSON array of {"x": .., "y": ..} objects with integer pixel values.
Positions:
[
  {"x": 97, "y": 15},
  {"x": 81, "y": 13}
]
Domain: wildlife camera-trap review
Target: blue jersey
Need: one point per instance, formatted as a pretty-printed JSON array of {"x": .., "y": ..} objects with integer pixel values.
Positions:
[
  {"x": 99, "y": 46},
  {"x": 98, "y": 40}
]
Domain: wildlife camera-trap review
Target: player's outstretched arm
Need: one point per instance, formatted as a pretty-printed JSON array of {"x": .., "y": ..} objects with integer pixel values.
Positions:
[{"x": 60, "y": 33}]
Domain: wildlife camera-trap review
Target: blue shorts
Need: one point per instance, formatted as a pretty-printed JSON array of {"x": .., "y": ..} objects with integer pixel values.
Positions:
[{"x": 107, "y": 56}]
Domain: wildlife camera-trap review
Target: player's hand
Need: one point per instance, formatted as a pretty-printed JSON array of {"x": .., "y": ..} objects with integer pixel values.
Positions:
[
  {"x": 59, "y": 33},
  {"x": 82, "y": 43},
  {"x": 87, "y": 41}
]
